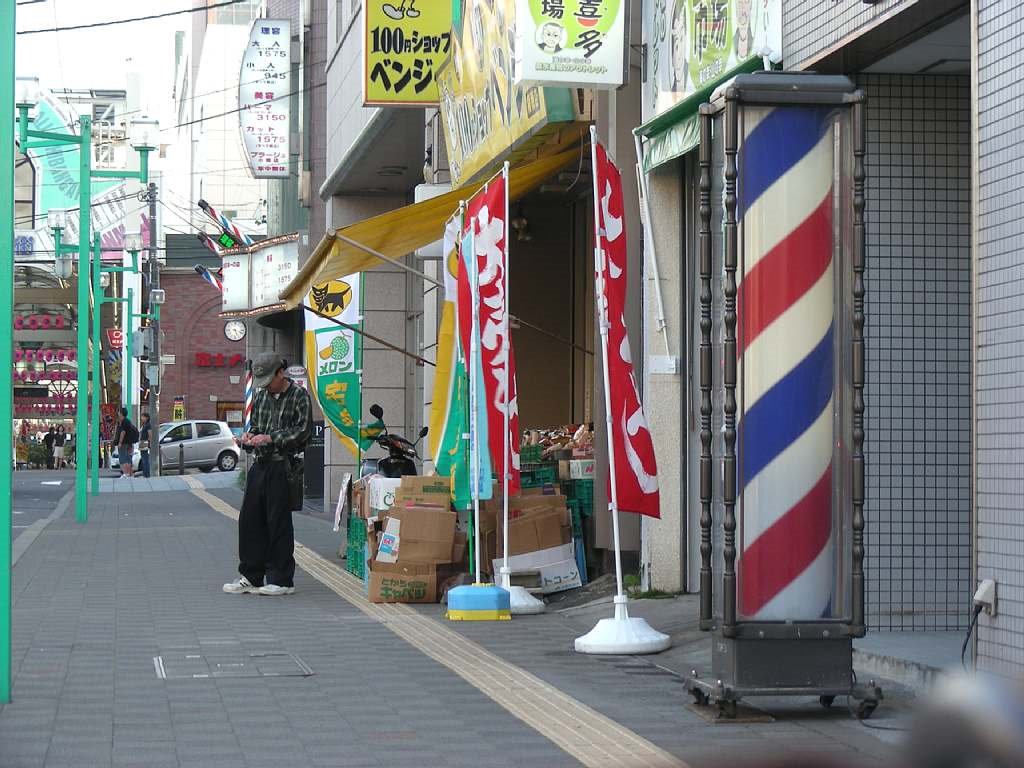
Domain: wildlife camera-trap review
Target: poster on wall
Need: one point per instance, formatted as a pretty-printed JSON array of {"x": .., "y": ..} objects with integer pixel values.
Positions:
[
  {"x": 573, "y": 43},
  {"x": 692, "y": 43},
  {"x": 264, "y": 93},
  {"x": 404, "y": 43}
]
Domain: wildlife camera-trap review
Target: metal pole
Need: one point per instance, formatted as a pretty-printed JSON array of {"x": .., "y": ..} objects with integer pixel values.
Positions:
[
  {"x": 6, "y": 349},
  {"x": 97, "y": 345},
  {"x": 129, "y": 361},
  {"x": 706, "y": 471},
  {"x": 506, "y": 574},
  {"x": 83, "y": 451},
  {"x": 154, "y": 283}
]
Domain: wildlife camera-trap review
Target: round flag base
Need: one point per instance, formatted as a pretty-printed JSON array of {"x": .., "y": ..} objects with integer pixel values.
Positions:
[
  {"x": 622, "y": 635},
  {"x": 478, "y": 602},
  {"x": 521, "y": 601}
]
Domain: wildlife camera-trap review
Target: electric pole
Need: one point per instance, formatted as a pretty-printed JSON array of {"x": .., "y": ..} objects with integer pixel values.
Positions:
[{"x": 154, "y": 309}]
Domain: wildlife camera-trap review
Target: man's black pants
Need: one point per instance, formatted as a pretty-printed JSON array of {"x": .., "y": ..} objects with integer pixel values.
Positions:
[{"x": 266, "y": 539}]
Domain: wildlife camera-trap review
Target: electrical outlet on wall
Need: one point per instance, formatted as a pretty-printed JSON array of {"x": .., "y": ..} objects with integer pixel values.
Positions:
[{"x": 986, "y": 596}]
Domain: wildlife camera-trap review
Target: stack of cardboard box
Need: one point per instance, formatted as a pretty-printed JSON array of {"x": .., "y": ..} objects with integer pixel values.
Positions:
[
  {"x": 541, "y": 548},
  {"x": 413, "y": 544}
]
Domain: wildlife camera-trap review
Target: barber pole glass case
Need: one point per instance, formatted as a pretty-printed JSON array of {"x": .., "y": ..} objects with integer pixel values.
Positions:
[{"x": 781, "y": 371}]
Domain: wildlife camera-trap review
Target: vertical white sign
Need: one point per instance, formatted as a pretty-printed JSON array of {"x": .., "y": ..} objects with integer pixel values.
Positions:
[
  {"x": 235, "y": 279},
  {"x": 264, "y": 98},
  {"x": 272, "y": 268}
]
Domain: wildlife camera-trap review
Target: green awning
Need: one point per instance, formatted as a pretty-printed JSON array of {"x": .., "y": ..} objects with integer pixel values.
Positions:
[{"x": 676, "y": 131}]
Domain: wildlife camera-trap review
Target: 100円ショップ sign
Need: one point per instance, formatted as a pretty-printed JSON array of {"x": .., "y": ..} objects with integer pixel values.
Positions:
[
  {"x": 404, "y": 42},
  {"x": 264, "y": 96},
  {"x": 571, "y": 42}
]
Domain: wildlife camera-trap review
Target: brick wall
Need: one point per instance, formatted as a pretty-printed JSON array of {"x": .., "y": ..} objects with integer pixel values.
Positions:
[
  {"x": 1000, "y": 333},
  {"x": 191, "y": 325}
]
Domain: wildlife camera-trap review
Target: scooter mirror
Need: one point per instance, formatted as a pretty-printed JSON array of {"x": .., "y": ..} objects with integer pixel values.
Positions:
[
  {"x": 376, "y": 411},
  {"x": 423, "y": 432}
]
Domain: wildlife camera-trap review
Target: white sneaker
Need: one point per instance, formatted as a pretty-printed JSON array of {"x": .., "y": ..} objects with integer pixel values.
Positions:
[
  {"x": 240, "y": 586},
  {"x": 275, "y": 590}
]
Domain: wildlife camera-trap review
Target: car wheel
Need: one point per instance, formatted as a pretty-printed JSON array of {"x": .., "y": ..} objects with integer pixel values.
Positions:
[
  {"x": 227, "y": 461},
  {"x": 206, "y": 469}
]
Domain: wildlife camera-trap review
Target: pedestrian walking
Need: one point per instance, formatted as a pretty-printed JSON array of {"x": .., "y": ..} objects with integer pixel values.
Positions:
[
  {"x": 48, "y": 440},
  {"x": 125, "y": 439},
  {"x": 280, "y": 428},
  {"x": 59, "y": 440},
  {"x": 145, "y": 435}
]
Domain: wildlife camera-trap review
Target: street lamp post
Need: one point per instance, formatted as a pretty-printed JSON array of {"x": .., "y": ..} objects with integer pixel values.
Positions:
[{"x": 143, "y": 141}]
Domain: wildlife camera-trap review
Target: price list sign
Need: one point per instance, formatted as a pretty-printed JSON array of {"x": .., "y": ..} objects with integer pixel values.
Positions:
[
  {"x": 264, "y": 98},
  {"x": 273, "y": 267}
]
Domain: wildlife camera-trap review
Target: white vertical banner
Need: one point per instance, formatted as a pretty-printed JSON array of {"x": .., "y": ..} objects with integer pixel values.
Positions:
[{"x": 264, "y": 98}]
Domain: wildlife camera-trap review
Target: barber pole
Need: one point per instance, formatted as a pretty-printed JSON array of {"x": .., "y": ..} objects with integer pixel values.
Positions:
[
  {"x": 248, "y": 395},
  {"x": 206, "y": 240},
  {"x": 785, "y": 344},
  {"x": 225, "y": 223}
]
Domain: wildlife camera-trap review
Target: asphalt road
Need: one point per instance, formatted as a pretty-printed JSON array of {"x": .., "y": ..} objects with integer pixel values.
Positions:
[{"x": 36, "y": 493}]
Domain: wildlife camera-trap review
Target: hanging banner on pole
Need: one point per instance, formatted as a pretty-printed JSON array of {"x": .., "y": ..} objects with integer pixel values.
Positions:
[
  {"x": 334, "y": 356},
  {"x": 403, "y": 46},
  {"x": 485, "y": 214},
  {"x": 573, "y": 43},
  {"x": 636, "y": 471},
  {"x": 264, "y": 93}
]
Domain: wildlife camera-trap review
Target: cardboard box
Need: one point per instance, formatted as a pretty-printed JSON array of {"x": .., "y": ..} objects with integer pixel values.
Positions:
[
  {"x": 402, "y": 583},
  {"x": 417, "y": 535},
  {"x": 556, "y": 567},
  {"x": 430, "y": 490},
  {"x": 460, "y": 548},
  {"x": 576, "y": 469},
  {"x": 536, "y": 531},
  {"x": 380, "y": 494}
]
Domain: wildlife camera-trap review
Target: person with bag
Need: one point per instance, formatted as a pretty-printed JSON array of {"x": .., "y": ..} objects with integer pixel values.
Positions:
[
  {"x": 145, "y": 435},
  {"x": 280, "y": 428},
  {"x": 125, "y": 439}
]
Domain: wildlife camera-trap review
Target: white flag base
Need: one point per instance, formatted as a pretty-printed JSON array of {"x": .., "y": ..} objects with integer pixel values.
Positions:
[
  {"x": 522, "y": 602},
  {"x": 622, "y": 635}
]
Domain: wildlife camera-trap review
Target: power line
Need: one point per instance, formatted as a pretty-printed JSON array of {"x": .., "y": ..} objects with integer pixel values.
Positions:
[
  {"x": 113, "y": 22},
  {"x": 243, "y": 109}
]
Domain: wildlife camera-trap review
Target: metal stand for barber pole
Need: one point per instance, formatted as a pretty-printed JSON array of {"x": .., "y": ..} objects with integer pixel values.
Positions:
[{"x": 782, "y": 363}]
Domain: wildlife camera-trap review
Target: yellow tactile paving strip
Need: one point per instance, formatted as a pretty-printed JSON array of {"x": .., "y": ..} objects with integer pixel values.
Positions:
[{"x": 587, "y": 735}]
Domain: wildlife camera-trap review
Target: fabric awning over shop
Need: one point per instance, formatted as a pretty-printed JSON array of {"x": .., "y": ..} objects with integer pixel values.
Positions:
[
  {"x": 399, "y": 232},
  {"x": 676, "y": 131}
]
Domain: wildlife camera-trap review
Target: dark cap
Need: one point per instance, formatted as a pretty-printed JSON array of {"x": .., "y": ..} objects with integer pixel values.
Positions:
[{"x": 264, "y": 367}]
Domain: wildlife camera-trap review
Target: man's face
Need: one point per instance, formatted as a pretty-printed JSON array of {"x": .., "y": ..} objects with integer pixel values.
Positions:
[
  {"x": 278, "y": 383},
  {"x": 552, "y": 36}
]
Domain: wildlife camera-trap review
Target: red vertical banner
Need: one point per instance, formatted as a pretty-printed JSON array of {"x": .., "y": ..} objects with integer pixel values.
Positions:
[
  {"x": 485, "y": 213},
  {"x": 636, "y": 470}
]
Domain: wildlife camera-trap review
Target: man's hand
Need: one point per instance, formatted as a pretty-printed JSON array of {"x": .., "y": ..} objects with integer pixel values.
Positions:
[{"x": 255, "y": 441}]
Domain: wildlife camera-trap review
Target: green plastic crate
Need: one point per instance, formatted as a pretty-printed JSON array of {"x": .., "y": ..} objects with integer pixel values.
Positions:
[
  {"x": 535, "y": 475},
  {"x": 531, "y": 454},
  {"x": 577, "y": 519}
]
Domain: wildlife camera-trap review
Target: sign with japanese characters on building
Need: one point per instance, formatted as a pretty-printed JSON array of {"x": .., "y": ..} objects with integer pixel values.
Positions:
[
  {"x": 264, "y": 92},
  {"x": 692, "y": 43},
  {"x": 404, "y": 43},
  {"x": 273, "y": 266},
  {"x": 486, "y": 114},
  {"x": 571, "y": 42},
  {"x": 235, "y": 279}
]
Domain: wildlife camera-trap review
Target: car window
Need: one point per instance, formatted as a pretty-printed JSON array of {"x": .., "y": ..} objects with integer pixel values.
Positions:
[
  {"x": 208, "y": 429},
  {"x": 179, "y": 433}
]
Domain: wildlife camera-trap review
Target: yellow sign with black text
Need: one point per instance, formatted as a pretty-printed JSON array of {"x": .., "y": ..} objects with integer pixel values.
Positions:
[{"x": 404, "y": 44}]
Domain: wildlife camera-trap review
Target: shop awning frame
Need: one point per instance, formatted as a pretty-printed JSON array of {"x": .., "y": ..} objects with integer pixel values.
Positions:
[
  {"x": 676, "y": 131},
  {"x": 391, "y": 236}
]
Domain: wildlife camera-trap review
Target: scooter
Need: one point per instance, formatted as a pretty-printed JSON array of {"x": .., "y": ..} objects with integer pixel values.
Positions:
[{"x": 402, "y": 455}]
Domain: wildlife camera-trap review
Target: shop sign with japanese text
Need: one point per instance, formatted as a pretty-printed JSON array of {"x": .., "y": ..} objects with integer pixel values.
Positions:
[
  {"x": 404, "y": 43},
  {"x": 264, "y": 95},
  {"x": 235, "y": 279},
  {"x": 571, "y": 42},
  {"x": 692, "y": 43},
  {"x": 272, "y": 268},
  {"x": 486, "y": 115}
]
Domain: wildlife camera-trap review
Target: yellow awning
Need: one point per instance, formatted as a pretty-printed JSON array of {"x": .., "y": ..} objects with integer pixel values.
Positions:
[{"x": 399, "y": 232}]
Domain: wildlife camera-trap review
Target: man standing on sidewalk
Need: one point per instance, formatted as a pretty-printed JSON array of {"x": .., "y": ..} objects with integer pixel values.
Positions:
[
  {"x": 125, "y": 439},
  {"x": 280, "y": 428},
  {"x": 145, "y": 435}
]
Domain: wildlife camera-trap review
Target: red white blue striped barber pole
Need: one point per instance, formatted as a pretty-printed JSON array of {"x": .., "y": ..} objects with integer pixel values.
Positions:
[
  {"x": 248, "y": 396},
  {"x": 785, "y": 344}
]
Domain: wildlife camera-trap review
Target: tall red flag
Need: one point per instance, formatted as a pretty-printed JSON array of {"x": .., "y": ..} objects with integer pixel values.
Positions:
[
  {"x": 486, "y": 212},
  {"x": 636, "y": 470}
]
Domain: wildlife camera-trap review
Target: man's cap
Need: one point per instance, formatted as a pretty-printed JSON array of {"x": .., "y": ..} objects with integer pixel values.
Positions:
[{"x": 264, "y": 367}]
